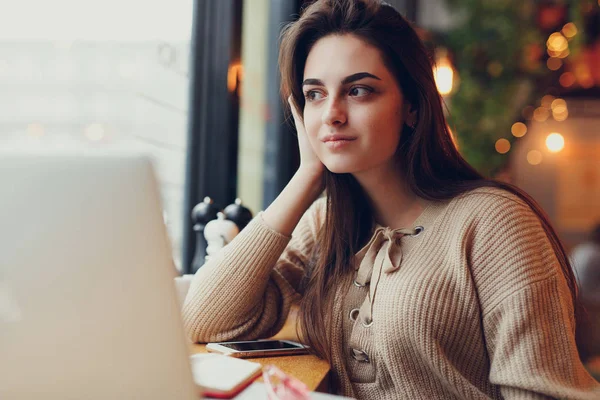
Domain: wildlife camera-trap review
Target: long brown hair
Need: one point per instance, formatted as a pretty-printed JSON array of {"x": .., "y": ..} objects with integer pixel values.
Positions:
[{"x": 432, "y": 166}]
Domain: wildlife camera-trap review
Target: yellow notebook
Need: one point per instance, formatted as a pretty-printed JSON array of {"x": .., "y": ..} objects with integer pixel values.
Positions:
[{"x": 221, "y": 376}]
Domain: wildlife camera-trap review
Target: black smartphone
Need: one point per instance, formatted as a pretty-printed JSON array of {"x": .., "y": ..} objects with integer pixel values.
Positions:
[{"x": 258, "y": 348}]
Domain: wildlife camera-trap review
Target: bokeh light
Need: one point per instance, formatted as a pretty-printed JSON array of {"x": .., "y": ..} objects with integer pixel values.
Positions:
[
  {"x": 534, "y": 157},
  {"x": 567, "y": 79},
  {"x": 564, "y": 54},
  {"x": 557, "y": 42},
  {"x": 444, "y": 75},
  {"x": 559, "y": 109},
  {"x": 555, "y": 142},
  {"x": 541, "y": 114},
  {"x": 562, "y": 116},
  {"x": 547, "y": 100},
  {"x": 558, "y": 105},
  {"x": 554, "y": 63},
  {"x": 502, "y": 146},
  {"x": 569, "y": 30},
  {"x": 518, "y": 129}
]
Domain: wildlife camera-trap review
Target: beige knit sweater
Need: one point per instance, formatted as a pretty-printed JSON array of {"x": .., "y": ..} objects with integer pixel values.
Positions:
[{"x": 473, "y": 307}]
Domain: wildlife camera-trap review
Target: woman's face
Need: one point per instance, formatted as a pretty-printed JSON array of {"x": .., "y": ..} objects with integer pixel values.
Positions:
[{"x": 354, "y": 108}]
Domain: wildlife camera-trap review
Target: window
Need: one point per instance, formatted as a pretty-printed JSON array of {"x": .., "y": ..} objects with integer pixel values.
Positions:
[{"x": 108, "y": 74}]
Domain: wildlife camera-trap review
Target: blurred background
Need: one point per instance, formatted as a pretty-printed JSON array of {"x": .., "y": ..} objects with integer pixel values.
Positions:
[{"x": 194, "y": 83}]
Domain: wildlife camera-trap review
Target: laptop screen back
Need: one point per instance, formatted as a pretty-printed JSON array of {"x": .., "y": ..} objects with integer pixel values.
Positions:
[{"x": 87, "y": 304}]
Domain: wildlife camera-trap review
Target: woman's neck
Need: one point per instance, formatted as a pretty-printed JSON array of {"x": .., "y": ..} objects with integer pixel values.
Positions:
[{"x": 394, "y": 204}]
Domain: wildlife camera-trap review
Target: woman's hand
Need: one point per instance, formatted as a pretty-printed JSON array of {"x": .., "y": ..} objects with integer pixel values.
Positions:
[
  {"x": 309, "y": 162},
  {"x": 284, "y": 213}
]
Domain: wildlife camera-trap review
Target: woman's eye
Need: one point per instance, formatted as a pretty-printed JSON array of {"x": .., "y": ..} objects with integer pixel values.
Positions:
[
  {"x": 359, "y": 91},
  {"x": 313, "y": 95}
]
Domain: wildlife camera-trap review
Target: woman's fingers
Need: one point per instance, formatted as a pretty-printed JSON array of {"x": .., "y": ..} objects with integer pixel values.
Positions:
[
  {"x": 294, "y": 112},
  {"x": 308, "y": 158}
]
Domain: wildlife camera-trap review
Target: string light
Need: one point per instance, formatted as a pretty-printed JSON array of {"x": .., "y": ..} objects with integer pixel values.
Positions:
[
  {"x": 558, "y": 105},
  {"x": 443, "y": 72},
  {"x": 547, "y": 100},
  {"x": 569, "y": 30},
  {"x": 554, "y": 63},
  {"x": 560, "y": 116},
  {"x": 555, "y": 142},
  {"x": 518, "y": 129},
  {"x": 559, "y": 54},
  {"x": 502, "y": 146},
  {"x": 541, "y": 114},
  {"x": 534, "y": 157},
  {"x": 564, "y": 54},
  {"x": 557, "y": 42},
  {"x": 567, "y": 79},
  {"x": 559, "y": 110}
]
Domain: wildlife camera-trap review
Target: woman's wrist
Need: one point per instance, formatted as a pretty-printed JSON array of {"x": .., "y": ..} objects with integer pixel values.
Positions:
[
  {"x": 286, "y": 210},
  {"x": 311, "y": 179}
]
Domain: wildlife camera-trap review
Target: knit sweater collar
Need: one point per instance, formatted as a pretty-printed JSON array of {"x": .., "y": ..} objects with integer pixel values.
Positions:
[{"x": 392, "y": 243}]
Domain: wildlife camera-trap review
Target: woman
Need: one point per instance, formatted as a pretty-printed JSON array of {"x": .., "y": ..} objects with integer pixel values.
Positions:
[
  {"x": 417, "y": 277},
  {"x": 586, "y": 263}
]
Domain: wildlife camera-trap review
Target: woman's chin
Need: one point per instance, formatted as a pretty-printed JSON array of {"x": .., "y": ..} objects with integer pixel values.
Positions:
[{"x": 341, "y": 168}]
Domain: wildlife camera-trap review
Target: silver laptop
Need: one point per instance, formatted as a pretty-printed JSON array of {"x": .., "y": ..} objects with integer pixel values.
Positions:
[{"x": 88, "y": 308}]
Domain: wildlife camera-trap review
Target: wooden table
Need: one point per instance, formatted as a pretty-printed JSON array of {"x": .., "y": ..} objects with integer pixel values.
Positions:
[{"x": 308, "y": 368}]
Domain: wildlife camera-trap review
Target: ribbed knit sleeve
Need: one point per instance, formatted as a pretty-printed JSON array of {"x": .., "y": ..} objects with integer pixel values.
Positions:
[
  {"x": 527, "y": 311},
  {"x": 246, "y": 290}
]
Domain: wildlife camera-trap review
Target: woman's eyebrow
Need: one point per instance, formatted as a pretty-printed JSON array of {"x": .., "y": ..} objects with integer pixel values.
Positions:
[
  {"x": 358, "y": 76},
  {"x": 349, "y": 79}
]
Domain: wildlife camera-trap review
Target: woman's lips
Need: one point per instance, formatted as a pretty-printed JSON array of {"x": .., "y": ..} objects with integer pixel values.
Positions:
[
  {"x": 338, "y": 143},
  {"x": 335, "y": 142}
]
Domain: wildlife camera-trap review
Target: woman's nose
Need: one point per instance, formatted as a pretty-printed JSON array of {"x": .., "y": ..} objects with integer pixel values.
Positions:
[{"x": 334, "y": 113}]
